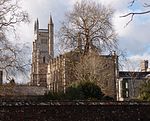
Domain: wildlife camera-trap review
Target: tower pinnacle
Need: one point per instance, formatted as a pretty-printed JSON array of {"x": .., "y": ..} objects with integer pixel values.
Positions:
[
  {"x": 51, "y": 36},
  {"x": 37, "y": 22},
  {"x": 35, "y": 27},
  {"x": 50, "y": 20}
]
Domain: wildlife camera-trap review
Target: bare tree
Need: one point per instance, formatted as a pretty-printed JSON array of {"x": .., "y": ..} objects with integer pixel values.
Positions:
[
  {"x": 146, "y": 6},
  {"x": 11, "y": 14},
  {"x": 100, "y": 69},
  {"x": 11, "y": 56},
  {"x": 92, "y": 22},
  {"x": 134, "y": 76}
]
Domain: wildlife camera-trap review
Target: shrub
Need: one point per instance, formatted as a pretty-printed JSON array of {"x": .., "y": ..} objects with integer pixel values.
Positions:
[
  {"x": 144, "y": 94},
  {"x": 81, "y": 91},
  {"x": 107, "y": 98},
  {"x": 73, "y": 93},
  {"x": 54, "y": 96},
  {"x": 84, "y": 91}
]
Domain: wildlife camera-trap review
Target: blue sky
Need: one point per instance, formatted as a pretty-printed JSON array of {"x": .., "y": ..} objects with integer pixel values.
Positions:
[{"x": 134, "y": 38}]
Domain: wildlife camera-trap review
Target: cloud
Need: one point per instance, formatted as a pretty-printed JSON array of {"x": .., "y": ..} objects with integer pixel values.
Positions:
[
  {"x": 133, "y": 62},
  {"x": 134, "y": 38},
  {"x": 42, "y": 9}
]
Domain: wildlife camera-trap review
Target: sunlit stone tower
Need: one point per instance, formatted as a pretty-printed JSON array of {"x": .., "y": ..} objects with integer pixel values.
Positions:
[
  {"x": 58, "y": 73},
  {"x": 43, "y": 51}
]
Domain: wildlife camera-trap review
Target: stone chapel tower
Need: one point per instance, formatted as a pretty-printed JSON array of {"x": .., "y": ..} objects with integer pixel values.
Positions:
[{"x": 43, "y": 51}]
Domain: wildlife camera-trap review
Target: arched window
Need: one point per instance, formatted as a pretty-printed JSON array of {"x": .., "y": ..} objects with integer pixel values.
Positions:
[{"x": 44, "y": 60}]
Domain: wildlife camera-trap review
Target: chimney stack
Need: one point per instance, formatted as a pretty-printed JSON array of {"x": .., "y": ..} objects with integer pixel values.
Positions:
[{"x": 144, "y": 66}]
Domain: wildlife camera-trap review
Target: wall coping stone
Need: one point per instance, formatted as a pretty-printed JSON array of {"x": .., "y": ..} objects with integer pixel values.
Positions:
[{"x": 69, "y": 103}]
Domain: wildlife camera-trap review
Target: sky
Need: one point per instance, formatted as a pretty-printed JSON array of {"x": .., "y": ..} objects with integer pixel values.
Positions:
[{"x": 132, "y": 39}]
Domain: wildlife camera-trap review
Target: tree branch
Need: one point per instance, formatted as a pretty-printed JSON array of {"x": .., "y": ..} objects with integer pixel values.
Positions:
[
  {"x": 134, "y": 13},
  {"x": 131, "y": 3}
]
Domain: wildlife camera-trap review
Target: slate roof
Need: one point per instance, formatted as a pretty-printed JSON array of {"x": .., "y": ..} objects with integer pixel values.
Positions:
[
  {"x": 135, "y": 74},
  {"x": 22, "y": 90}
]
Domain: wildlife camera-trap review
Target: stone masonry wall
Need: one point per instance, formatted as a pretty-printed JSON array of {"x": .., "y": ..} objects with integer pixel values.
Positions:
[{"x": 74, "y": 111}]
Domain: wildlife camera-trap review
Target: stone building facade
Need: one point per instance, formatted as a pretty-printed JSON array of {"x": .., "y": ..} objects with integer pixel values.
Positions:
[
  {"x": 62, "y": 70},
  {"x": 42, "y": 53},
  {"x": 129, "y": 82},
  {"x": 58, "y": 73}
]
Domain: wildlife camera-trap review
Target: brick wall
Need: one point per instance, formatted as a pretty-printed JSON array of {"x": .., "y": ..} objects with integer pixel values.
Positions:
[{"x": 73, "y": 111}]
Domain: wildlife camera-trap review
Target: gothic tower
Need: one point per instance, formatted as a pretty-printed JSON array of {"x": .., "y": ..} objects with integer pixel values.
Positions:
[{"x": 43, "y": 51}]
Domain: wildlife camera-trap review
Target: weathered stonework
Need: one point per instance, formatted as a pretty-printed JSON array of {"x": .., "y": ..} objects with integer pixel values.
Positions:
[
  {"x": 61, "y": 72},
  {"x": 74, "y": 111},
  {"x": 42, "y": 53},
  {"x": 58, "y": 73}
]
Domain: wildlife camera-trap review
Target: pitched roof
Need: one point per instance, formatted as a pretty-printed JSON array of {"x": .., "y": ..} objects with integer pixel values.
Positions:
[{"x": 131, "y": 74}]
